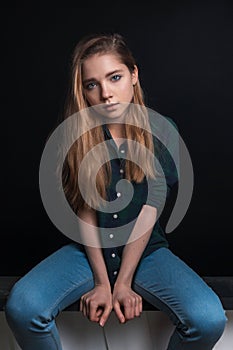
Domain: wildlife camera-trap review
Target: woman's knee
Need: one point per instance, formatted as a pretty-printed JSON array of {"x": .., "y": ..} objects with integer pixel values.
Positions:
[
  {"x": 214, "y": 324},
  {"x": 208, "y": 323},
  {"x": 22, "y": 307}
]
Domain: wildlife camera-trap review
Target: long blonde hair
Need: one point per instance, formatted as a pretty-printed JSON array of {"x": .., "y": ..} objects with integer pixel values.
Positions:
[{"x": 76, "y": 102}]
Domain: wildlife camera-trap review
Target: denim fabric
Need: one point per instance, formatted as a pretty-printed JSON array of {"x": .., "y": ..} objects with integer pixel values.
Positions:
[{"x": 161, "y": 278}]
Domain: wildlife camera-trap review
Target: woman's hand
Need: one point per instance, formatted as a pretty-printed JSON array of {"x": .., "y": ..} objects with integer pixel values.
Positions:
[
  {"x": 97, "y": 304},
  {"x": 126, "y": 303}
]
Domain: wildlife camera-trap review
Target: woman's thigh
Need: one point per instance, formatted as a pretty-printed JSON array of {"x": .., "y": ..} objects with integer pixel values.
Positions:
[
  {"x": 56, "y": 282},
  {"x": 168, "y": 283}
]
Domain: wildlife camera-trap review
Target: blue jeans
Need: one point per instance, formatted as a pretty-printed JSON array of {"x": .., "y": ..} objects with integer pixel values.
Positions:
[{"x": 161, "y": 278}]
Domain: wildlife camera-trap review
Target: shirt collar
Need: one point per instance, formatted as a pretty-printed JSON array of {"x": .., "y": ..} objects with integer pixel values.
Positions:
[
  {"x": 107, "y": 133},
  {"x": 108, "y": 136}
]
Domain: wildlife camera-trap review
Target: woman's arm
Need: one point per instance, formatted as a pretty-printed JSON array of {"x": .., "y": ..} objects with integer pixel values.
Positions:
[
  {"x": 97, "y": 303},
  {"x": 123, "y": 295}
]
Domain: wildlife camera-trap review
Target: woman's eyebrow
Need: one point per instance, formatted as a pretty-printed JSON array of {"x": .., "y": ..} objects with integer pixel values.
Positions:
[{"x": 106, "y": 76}]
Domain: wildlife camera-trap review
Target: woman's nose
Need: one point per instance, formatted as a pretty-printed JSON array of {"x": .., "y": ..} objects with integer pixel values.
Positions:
[{"x": 106, "y": 92}]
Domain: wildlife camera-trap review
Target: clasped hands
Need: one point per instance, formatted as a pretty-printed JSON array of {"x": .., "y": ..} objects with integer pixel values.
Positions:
[{"x": 98, "y": 303}]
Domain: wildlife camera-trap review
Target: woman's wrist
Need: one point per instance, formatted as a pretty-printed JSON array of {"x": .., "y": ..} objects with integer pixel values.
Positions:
[
  {"x": 125, "y": 276},
  {"x": 126, "y": 282},
  {"x": 103, "y": 282}
]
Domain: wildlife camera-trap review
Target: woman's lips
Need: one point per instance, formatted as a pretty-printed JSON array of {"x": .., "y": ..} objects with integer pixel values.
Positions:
[{"x": 110, "y": 106}]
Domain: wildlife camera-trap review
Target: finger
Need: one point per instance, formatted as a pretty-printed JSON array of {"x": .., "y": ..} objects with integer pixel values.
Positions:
[
  {"x": 99, "y": 311},
  {"x": 87, "y": 308},
  {"x": 81, "y": 305},
  {"x": 119, "y": 313},
  {"x": 137, "y": 308},
  {"x": 84, "y": 309},
  {"x": 129, "y": 309},
  {"x": 105, "y": 316},
  {"x": 93, "y": 306},
  {"x": 140, "y": 305}
]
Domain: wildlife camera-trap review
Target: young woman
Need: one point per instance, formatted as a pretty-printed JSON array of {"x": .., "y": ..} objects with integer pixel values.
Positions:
[{"x": 116, "y": 273}]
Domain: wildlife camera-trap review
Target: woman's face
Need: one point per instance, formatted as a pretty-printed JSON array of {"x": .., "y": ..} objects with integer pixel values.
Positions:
[{"x": 109, "y": 83}]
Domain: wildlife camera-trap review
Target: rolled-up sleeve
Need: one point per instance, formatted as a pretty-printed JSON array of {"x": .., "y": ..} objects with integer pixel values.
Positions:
[{"x": 166, "y": 165}]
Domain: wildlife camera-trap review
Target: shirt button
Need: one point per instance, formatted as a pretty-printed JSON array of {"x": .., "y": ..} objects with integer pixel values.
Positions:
[
  {"x": 121, "y": 171},
  {"x": 115, "y": 216},
  {"x": 118, "y": 194},
  {"x": 115, "y": 273},
  {"x": 122, "y": 151},
  {"x": 111, "y": 235},
  {"x": 113, "y": 255}
]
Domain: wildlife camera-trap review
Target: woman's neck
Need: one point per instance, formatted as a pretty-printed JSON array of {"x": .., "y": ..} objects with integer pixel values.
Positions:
[{"x": 117, "y": 131}]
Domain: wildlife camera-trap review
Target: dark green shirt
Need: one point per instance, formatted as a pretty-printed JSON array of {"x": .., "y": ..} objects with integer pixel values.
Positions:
[{"x": 116, "y": 226}]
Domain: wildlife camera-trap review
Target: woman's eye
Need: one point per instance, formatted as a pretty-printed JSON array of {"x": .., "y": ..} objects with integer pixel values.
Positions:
[
  {"x": 116, "y": 77},
  {"x": 90, "y": 86}
]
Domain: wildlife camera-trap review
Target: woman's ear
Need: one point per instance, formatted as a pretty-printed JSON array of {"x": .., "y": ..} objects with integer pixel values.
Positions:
[{"x": 135, "y": 75}]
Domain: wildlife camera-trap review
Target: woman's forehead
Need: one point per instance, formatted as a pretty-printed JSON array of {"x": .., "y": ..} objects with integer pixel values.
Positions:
[{"x": 102, "y": 63}]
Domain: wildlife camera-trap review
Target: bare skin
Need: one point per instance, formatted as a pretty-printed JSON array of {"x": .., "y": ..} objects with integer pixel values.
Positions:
[{"x": 97, "y": 303}]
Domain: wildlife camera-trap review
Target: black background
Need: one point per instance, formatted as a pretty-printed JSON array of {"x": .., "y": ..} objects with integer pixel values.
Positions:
[{"x": 185, "y": 56}]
